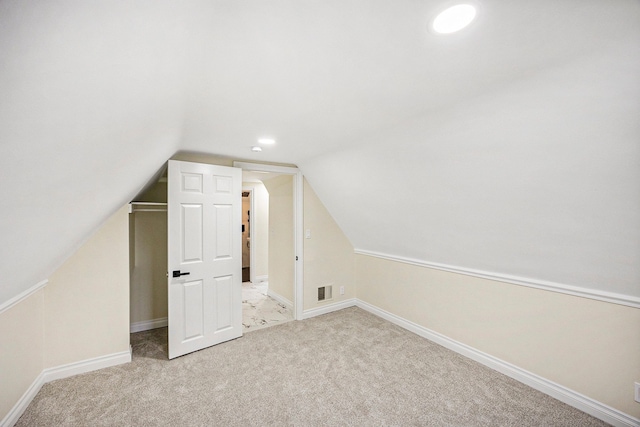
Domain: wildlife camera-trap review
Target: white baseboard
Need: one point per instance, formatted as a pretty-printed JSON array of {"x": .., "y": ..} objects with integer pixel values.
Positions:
[
  {"x": 260, "y": 279},
  {"x": 282, "y": 300},
  {"x": 563, "y": 394},
  {"x": 59, "y": 372},
  {"x": 21, "y": 405},
  {"x": 76, "y": 368},
  {"x": 328, "y": 308},
  {"x": 146, "y": 325}
]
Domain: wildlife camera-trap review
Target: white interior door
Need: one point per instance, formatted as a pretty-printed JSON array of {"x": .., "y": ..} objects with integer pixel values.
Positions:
[{"x": 205, "y": 256}]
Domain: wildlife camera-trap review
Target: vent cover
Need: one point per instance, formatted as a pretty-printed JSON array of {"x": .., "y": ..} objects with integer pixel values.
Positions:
[{"x": 324, "y": 293}]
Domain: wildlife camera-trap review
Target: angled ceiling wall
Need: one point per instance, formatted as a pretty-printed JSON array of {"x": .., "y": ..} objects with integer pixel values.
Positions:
[
  {"x": 538, "y": 180},
  {"x": 511, "y": 147}
]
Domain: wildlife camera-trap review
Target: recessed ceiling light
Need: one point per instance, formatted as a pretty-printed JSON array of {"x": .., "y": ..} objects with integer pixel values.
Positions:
[
  {"x": 454, "y": 18},
  {"x": 256, "y": 148},
  {"x": 266, "y": 141}
]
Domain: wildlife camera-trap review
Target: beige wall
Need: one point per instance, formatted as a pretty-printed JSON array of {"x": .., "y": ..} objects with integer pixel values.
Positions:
[
  {"x": 21, "y": 349},
  {"x": 260, "y": 231},
  {"x": 328, "y": 254},
  {"x": 281, "y": 243},
  {"x": 87, "y": 299},
  {"x": 82, "y": 313},
  {"x": 155, "y": 193},
  {"x": 588, "y": 346}
]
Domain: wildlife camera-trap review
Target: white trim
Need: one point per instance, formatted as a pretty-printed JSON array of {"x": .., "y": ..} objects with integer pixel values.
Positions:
[
  {"x": 22, "y": 296},
  {"x": 60, "y": 372},
  {"x": 298, "y": 218},
  {"x": 260, "y": 279},
  {"x": 282, "y": 300},
  {"x": 328, "y": 308},
  {"x": 611, "y": 297},
  {"x": 88, "y": 365},
  {"x": 146, "y": 325},
  {"x": 298, "y": 235},
  {"x": 563, "y": 394}
]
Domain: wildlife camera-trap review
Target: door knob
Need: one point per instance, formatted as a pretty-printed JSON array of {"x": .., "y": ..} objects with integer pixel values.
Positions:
[{"x": 176, "y": 273}]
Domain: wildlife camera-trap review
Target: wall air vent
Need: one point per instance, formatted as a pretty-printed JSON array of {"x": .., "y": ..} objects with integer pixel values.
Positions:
[{"x": 324, "y": 293}]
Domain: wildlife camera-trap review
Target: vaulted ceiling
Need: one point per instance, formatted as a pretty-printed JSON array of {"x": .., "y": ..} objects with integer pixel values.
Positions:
[{"x": 512, "y": 146}]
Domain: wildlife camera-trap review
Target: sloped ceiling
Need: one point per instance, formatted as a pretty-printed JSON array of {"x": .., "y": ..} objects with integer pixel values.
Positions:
[{"x": 511, "y": 147}]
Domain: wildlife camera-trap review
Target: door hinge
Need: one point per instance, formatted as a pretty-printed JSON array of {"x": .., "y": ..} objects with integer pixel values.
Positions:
[{"x": 296, "y": 257}]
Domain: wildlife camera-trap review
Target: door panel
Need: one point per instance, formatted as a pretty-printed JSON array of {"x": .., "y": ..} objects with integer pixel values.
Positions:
[
  {"x": 223, "y": 219},
  {"x": 224, "y": 297},
  {"x": 192, "y": 233},
  {"x": 192, "y": 182},
  {"x": 193, "y": 310},
  {"x": 204, "y": 220},
  {"x": 223, "y": 184}
]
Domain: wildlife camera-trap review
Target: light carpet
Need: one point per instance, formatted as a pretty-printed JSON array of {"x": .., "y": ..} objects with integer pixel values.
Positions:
[{"x": 348, "y": 368}]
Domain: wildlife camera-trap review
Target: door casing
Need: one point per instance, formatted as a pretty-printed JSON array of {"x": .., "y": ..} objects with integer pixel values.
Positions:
[{"x": 298, "y": 234}]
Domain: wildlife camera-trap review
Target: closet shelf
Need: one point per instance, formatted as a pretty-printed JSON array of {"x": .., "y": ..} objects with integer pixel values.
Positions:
[{"x": 161, "y": 207}]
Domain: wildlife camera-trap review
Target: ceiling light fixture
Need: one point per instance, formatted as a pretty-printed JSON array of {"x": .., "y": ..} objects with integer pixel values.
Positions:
[
  {"x": 454, "y": 18},
  {"x": 266, "y": 141},
  {"x": 256, "y": 149}
]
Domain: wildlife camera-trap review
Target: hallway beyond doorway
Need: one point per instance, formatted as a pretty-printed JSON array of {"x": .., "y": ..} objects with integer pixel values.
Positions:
[{"x": 260, "y": 310}]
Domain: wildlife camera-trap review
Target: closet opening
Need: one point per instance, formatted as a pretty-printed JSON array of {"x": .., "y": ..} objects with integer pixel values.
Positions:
[{"x": 148, "y": 258}]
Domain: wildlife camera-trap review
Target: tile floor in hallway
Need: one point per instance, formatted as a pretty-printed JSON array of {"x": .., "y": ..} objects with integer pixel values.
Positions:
[{"x": 260, "y": 310}]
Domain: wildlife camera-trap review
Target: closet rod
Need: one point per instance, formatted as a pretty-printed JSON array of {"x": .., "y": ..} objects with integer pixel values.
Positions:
[
  {"x": 149, "y": 203},
  {"x": 149, "y": 210}
]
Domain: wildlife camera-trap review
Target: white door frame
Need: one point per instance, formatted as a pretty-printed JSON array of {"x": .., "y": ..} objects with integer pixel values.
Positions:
[
  {"x": 252, "y": 274},
  {"x": 298, "y": 234}
]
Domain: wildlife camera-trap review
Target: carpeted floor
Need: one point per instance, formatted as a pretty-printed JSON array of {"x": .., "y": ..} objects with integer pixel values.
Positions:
[{"x": 347, "y": 368}]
